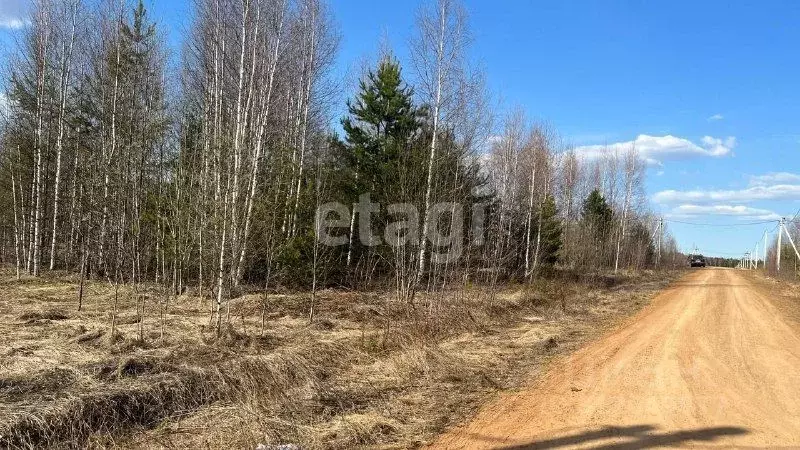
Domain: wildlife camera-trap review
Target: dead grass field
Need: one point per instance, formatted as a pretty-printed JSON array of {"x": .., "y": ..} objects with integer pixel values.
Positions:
[{"x": 369, "y": 372}]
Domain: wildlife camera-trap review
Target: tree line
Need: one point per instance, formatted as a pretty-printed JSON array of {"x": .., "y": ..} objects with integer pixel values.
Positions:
[{"x": 210, "y": 169}]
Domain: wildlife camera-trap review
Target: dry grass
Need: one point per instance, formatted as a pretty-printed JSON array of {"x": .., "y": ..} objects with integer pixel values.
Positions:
[
  {"x": 784, "y": 294},
  {"x": 370, "y": 372}
]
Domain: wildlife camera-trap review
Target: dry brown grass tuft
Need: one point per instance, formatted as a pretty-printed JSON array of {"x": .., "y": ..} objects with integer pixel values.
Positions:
[
  {"x": 33, "y": 316},
  {"x": 370, "y": 371},
  {"x": 359, "y": 430}
]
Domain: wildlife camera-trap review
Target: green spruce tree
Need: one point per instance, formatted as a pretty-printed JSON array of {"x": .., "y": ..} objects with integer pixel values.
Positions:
[
  {"x": 550, "y": 244},
  {"x": 380, "y": 131},
  {"x": 597, "y": 221},
  {"x": 597, "y": 213}
]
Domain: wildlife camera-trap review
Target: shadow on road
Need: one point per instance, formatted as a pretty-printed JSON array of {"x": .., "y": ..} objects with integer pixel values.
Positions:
[{"x": 635, "y": 437}]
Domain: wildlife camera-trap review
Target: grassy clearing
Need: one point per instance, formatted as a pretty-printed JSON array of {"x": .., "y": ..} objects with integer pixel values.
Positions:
[{"x": 369, "y": 372}]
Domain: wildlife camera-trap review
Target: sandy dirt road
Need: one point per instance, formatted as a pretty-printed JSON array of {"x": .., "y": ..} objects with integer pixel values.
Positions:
[{"x": 710, "y": 363}]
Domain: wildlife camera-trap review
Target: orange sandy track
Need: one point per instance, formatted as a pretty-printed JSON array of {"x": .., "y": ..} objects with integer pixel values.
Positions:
[{"x": 710, "y": 363}]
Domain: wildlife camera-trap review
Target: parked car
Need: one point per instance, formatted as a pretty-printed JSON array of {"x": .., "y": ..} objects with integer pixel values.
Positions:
[{"x": 697, "y": 261}]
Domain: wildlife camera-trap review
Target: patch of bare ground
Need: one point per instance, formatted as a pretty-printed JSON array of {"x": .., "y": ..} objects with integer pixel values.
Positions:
[{"x": 369, "y": 372}]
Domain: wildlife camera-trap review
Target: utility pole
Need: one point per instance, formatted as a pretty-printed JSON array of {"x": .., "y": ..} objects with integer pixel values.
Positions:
[
  {"x": 660, "y": 239},
  {"x": 660, "y": 231},
  {"x": 755, "y": 257},
  {"x": 765, "y": 249},
  {"x": 657, "y": 236},
  {"x": 778, "y": 257},
  {"x": 789, "y": 236}
]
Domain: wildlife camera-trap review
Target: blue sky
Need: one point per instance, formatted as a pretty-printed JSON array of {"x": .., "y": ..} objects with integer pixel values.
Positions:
[{"x": 708, "y": 89}]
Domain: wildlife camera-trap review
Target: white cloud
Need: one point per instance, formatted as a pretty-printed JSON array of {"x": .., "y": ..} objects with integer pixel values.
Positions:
[
  {"x": 750, "y": 194},
  {"x": 739, "y": 211},
  {"x": 774, "y": 178},
  {"x": 716, "y": 117},
  {"x": 657, "y": 149},
  {"x": 719, "y": 147},
  {"x": 12, "y": 23},
  {"x": 12, "y": 14}
]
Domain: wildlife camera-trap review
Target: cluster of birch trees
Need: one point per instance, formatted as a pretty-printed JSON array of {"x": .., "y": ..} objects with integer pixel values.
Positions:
[
  {"x": 123, "y": 162},
  {"x": 600, "y": 204}
]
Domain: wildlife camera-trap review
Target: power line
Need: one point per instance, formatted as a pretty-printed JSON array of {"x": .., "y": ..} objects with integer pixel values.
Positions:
[
  {"x": 774, "y": 228},
  {"x": 795, "y": 215},
  {"x": 723, "y": 253},
  {"x": 737, "y": 224}
]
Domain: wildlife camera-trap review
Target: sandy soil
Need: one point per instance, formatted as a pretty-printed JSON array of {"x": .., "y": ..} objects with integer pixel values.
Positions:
[{"x": 711, "y": 362}]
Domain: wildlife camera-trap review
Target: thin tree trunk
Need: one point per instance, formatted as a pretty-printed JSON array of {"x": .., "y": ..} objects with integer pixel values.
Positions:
[
  {"x": 65, "y": 72},
  {"x": 16, "y": 225},
  {"x": 259, "y": 144},
  {"x": 109, "y": 157},
  {"x": 432, "y": 154},
  {"x": 529, "y": 220},
  {"x": 37, "y": 225}
]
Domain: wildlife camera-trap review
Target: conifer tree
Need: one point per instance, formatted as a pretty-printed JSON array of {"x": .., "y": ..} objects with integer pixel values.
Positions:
[
  {"x": 381, "y": 153},
  {"x": 551, "y": 233},
  {"x": 596, "y": 211},
  {"x": 598, "y": 220},
  {"x": 380, "y": 129}
]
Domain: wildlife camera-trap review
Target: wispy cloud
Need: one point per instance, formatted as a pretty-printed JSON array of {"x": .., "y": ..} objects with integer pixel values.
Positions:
[
  {"x": 12, "y": 14},
  {"x": 716, "y": 117},
  {"x": 774, "y": 178},
  {"x": 750, "y": 194},
  {"x": 740, "y": 211},
  {"x": 657, "y": 149}
]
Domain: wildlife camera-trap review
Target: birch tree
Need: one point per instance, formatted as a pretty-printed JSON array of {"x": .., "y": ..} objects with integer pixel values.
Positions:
[
  {"x": 65, "y": 70},
  {"x": 438, "y": 54}
]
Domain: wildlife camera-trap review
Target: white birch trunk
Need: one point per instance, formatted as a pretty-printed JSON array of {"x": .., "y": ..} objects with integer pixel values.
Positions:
[
  {"x": 65, "y": 72},
  {"x": 37, "y": 225},
  {"x": 437, "y": 104}
]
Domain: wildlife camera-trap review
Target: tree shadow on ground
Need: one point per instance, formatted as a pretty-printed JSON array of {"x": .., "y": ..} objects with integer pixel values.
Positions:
[{"x": 634, "y": 437}]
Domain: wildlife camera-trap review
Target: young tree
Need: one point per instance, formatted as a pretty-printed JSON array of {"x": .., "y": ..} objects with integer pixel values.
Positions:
[
  {"x": 439, "y": 56},
  {"x": 551, "y": 231},
  {"x": 380, "y": 137},
  {"x": 598, "y": 218},
  {"x": 633, "y": 176},
  {"x": 64, "y": 84}
]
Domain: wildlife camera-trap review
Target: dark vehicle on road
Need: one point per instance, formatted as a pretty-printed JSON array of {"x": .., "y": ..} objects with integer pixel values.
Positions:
[{"x": 697, "y": 261}]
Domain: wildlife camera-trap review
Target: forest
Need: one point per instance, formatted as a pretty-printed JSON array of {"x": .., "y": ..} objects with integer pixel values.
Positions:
[{"x": 208, "y": 169}]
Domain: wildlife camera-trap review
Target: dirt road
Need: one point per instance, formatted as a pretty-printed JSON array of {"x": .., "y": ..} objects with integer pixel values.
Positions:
[{"x": 711, "y": 362}]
